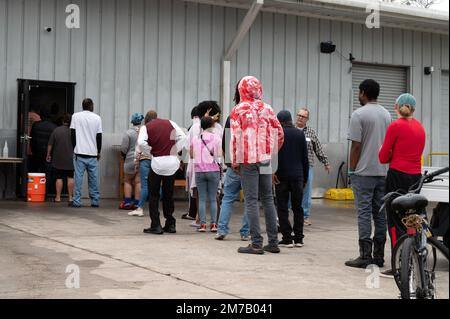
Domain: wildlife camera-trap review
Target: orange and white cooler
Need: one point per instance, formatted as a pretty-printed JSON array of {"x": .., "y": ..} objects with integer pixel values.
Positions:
[{"x": 36, "y": 187}]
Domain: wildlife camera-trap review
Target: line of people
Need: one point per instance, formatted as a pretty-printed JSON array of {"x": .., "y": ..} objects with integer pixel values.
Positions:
[
  {"x": 376, "y": 141},
  {"x": 259, "y": 151}
]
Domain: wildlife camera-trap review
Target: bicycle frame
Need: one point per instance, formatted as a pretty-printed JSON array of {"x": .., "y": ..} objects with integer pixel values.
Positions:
[{"x": 420, "y": 232}]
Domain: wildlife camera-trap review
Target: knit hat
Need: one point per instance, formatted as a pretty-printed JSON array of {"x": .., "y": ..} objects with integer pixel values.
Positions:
[
  {"x": 284, "y": 116},
  {"x": 136, "y": 118},
  {"x": 406, "y": 99}
]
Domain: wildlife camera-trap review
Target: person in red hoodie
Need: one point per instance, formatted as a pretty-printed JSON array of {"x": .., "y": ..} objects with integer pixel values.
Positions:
[
  {"x": 256, "y": 135},
  {"x": 402, "y": 150}
]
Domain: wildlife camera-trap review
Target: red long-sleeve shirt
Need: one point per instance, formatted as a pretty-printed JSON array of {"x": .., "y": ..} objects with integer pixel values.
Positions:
[{"x": 403, "y": 146}]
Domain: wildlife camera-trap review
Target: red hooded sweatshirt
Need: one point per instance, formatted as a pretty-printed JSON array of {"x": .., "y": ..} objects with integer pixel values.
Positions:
[{"x": 256, "y": 133}]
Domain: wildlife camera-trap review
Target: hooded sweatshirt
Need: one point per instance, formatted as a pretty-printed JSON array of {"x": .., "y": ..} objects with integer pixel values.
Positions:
[{"x": 256, "y": 133}]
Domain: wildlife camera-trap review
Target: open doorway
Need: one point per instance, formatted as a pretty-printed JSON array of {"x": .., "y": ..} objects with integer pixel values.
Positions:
[{"x": 33, "y": 95}]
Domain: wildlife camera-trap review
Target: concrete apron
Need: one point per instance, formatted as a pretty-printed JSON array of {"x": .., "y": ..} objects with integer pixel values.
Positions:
[{"x": 116, "y": 260}]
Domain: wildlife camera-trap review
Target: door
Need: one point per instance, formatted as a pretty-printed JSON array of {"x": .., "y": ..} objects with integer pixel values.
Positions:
[
  {"x": 33, "y": 94},
  {"x": 392, "y": 80}
]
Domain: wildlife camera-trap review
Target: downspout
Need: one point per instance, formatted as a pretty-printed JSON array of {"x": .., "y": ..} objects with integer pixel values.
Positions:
[{"x": 231, "y": 51}]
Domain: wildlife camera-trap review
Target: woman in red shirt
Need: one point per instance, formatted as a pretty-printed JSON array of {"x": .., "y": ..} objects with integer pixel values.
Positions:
[{"x": 402, "y": 150}]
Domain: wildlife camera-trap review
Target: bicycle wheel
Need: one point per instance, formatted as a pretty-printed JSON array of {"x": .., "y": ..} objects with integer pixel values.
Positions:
[
  {"x": 397, "y": 251},
  {"x": 396, "y": 259},
  {"x": 410, "y": 271}
]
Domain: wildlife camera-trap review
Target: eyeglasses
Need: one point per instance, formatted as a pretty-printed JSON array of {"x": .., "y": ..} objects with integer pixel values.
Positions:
[{"x": 303, "y": 117}]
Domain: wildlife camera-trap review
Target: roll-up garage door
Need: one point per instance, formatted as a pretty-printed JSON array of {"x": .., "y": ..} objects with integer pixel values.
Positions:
[{"x": 392, "y": 80}]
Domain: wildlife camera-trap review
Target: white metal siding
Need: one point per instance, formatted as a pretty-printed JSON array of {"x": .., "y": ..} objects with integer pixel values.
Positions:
[
  {"x": 440, "y": 141},
  {"x": 133, "y": 55},
  {"x": 392, "y": 80}
]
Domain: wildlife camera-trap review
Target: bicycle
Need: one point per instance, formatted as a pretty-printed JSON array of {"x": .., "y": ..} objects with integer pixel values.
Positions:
[{"x": 416, "y": 277}]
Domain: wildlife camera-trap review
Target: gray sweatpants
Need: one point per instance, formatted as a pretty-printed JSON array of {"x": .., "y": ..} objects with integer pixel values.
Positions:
[{"x": 254, "y": 183}]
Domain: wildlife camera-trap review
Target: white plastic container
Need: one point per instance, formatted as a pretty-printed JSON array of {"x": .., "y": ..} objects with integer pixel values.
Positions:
[{"x": 5, "y": 150}]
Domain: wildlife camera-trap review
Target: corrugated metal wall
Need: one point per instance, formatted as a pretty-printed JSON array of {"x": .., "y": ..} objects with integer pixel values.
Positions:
[{"x": 132, "y": 55}]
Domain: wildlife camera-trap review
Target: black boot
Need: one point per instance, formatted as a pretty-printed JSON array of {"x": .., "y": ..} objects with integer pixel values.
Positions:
[
  {"x": 170, "y": 227},
  {"x": 378, "y": 252},
  {"x": 365, "y": 255}
]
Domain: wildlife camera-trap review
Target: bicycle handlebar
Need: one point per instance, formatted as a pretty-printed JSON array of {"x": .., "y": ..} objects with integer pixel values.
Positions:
[{"x": 428, "y": 178}]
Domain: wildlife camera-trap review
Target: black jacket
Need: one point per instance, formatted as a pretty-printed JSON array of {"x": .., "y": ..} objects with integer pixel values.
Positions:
[
  {"x": 40, "y": 134},
  {"x": 293, "y": 155}
]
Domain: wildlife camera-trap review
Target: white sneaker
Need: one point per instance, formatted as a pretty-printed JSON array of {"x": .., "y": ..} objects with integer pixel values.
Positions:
[
  {"x": 138, "y": 212},
  {"x": 195, "y": 224}
]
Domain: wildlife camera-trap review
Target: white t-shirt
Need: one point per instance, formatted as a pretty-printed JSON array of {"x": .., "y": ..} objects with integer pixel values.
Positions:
[{"x": 86, "y": 125}]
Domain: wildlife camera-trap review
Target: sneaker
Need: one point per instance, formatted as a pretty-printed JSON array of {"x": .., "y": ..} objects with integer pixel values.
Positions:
[
  {"x": 245, "y": 237},
  {"x": 213, "y": 228},
  {"x": 387, "y": 273},
  {"x": 219, "y": 237},
  {"x": 307, "y": 222},
  {"x": 194, "y": 224},
  {"x": 138, "y": 212},
  {"x": 125, "y": 206},
  {"x": 251, "y": 249},
  {"x": 95, "y": 206},
  {"x": 274, "y": 249},
  {"x": 202, "y": 228},
  {"x": 186, "y": 216},
  {"x": 286, "y": 243},
  {"x": 298, "y": 243}
]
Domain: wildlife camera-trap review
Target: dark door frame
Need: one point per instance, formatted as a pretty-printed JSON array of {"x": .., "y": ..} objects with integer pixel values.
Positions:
[{"x": 23, "y": 105}]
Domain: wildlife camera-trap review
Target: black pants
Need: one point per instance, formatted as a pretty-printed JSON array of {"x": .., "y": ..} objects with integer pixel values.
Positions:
[
  {"x": 293, "y": 187},
  {"x": 397, "y": 181},
  {"x": 154, "y": 184},
  {"x": 193, "y": 205}
]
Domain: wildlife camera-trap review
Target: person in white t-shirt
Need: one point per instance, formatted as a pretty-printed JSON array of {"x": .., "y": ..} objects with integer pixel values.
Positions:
[{"x": 86, "y": 133}]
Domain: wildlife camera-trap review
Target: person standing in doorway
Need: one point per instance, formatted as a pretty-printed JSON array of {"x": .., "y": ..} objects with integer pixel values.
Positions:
[
  {"x": 40, "y": 135},
  {"x": 367, "y": 131},
  {"x": 132, "y": 179},
  {"x": 402, "y": 149},
  {"x": 165, "y": 139},
  {"x": 290, "y": 179},
  {"x": 86, "y": 133},
  {"x": 60, "y": 154},
  {"x": 143, "y": 162},
  {"x": 256, "y": 136},
  {"x": 314, "y": 149}
]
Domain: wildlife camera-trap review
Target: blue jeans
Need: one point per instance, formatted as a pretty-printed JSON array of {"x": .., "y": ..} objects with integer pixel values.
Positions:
[
  {"x": 144, "y": 170},
  {"x": 255, "y": 183},
  {"x": 89, "y": 164},
  {"x": 369, "y": 191},
  {"x": 307, "y": 194},
  {"x": 231, "y": 191},
  {"x": 207, "y": 186}
]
